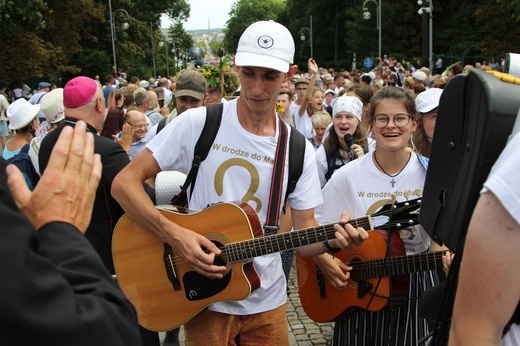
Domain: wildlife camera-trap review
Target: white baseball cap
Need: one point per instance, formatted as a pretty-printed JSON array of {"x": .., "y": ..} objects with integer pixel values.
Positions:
[
  {"x": 350, "y": 104},
  {"x": 266, "y": 44},
  {"x": 329, "y": 91},
  {"x": 428, "y": 100}
]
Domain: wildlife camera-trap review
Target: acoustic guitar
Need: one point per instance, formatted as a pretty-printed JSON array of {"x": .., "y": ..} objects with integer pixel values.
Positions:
[
  {"x": 373, "y": 279},
  {"x": 167, "y": 292}
]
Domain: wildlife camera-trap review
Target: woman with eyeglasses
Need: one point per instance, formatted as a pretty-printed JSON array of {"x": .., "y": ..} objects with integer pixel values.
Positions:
[{"x": 392, "y": 171}]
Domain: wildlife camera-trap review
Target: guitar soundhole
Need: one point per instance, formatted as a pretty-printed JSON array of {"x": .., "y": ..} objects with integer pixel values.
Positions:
[
  {"x": 220, "y": 260},
  {"x": 356, "y": 274}
]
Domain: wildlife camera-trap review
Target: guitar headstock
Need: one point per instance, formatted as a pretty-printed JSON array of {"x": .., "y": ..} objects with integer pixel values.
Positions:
[{"x": 393, "y": 216}]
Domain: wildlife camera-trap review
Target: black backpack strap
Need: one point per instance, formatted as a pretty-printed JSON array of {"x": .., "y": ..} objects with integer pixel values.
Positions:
[
  {"x": 297, "y": 144},
  {"x": 206, "y": 139},
  {"x": 161, "y": 124},
  {"x": 331, "y": 164},
  {"x": 25, "y": 148}
]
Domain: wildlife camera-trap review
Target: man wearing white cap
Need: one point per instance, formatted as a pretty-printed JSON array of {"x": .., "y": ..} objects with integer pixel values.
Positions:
[
  {"x": 232, "y": 172},
  {"x": 328, "y": 96}
]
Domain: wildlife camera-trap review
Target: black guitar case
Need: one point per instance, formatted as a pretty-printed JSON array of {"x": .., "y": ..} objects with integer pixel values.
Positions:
[{"x": 476, "y": 115}]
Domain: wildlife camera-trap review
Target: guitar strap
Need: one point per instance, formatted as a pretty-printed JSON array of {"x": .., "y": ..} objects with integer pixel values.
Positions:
[{"x": 275, "y": 193}]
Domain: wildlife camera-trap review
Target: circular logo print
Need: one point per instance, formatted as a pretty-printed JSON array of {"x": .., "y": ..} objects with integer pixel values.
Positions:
[{"x": 265, "y": 42}]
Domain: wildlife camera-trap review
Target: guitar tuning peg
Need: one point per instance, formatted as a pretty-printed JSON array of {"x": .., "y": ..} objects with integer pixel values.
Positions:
[
  {"x": 393, "y": 196},
  {"x": 406, "y": 193},
  {"x": 418, "y": 192},
  {"x": 415, "y": 231}
]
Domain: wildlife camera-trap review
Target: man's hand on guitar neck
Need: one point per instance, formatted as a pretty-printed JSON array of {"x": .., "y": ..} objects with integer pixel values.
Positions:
[{"x": 196, "y": 250}]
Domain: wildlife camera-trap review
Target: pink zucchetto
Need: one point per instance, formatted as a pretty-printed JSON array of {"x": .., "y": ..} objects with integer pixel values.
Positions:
[{"x": 79, "y": 91}]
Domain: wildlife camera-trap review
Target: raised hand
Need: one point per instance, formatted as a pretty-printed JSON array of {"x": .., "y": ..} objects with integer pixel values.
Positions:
[{"x": 66, "y": 191}]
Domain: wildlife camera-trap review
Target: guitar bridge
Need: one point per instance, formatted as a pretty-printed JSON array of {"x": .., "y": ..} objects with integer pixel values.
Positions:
[
  {"x": 363, "y": 288},
  {"x": 171, "y": 271},
  {"x": 320, "y": 278}
]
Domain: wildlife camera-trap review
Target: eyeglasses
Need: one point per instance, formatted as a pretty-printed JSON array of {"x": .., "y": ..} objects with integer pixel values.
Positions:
[
  {"x": 137, "y": 126},
  {"x": 400, "y": 120}
]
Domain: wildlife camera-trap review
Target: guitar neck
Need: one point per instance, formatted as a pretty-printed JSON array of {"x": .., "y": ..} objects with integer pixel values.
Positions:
[
  {"x": 380, "y": 267},
  {"x": 241, "y": 251}
]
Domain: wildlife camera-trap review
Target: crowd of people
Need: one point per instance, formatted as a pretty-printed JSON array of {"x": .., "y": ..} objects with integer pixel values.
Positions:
[{"x": 368, "y": 134}]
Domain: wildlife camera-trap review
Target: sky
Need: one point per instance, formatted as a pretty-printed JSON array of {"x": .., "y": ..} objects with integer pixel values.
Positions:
[{"x": 216, "y": 10}]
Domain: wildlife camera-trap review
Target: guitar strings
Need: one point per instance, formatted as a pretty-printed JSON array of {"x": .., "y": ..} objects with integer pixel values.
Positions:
[
  {"x": 400, "y": 261},
  {"x": 239, "y": 248}
]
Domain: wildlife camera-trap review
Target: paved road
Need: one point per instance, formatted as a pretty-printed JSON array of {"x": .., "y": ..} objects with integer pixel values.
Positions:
[{"x": 302, "y": 330}]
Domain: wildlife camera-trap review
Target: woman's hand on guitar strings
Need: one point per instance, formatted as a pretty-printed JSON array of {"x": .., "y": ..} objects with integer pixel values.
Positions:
[
  {"x": 348, "y": 237},
  {"x": 447, "y": 258}
]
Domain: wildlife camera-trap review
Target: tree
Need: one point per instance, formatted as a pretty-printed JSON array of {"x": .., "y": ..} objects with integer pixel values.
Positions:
[
  {"x": 53, "y": 38},
  {"x": 41, "y": 37},
  {"x": 245, "y": 12}
]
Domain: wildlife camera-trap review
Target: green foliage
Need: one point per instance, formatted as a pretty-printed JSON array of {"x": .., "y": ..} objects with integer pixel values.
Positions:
[
  {"x": 510, "y": 7},
  {"x": 216, "y": 47},
  {"x": 42, "y": 37},
  {"x": 244, "y": 13},
  {"x": 63, "y": 38},
  {"x": 460, "y": 27}
]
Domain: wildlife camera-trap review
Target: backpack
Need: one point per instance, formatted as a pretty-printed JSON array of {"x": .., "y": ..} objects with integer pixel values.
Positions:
[
  {"x": 331, "y": 165},
  {"x": 208, "y": 135},
  {"x": 161, "y": 124},
  {"x": 22, "y": 160}
]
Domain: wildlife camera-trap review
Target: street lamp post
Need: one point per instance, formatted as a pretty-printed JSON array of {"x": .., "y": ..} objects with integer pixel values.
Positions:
[
  {"x": 429, "y": 10},
  {"x": 175, "y": 59},
  {"x": 153, "y": 51},
  {"x": 302, "y": 34},
  {"x": 366, "y": 15},
  {"x": 113, "y": 30},
  {"x": 166, "y": 46}
]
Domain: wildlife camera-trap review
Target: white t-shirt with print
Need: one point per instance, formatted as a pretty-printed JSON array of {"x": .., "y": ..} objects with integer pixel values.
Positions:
[
  {"x": 239, "y": 167},
  {"x": 503, "y": 182},
  {"x": 358, "y": 186}
]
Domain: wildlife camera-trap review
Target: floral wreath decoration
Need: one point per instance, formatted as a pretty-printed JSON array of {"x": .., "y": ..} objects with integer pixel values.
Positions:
[{"x": 214, "y": 74}]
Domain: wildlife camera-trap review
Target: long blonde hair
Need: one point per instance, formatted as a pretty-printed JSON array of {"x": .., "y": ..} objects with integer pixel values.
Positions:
[{"x": 310, "y": 110}]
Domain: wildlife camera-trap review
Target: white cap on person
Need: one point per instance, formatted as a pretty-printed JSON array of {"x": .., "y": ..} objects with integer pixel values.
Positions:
[
  {"x": 428, "y": 100},
  {"x": 266, "y": 44}
]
